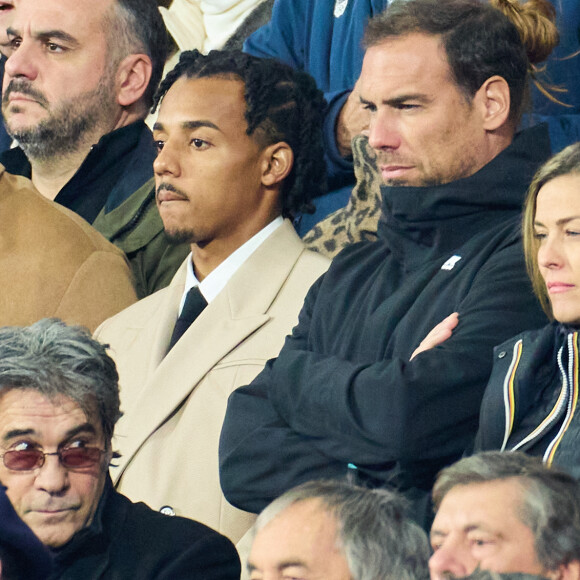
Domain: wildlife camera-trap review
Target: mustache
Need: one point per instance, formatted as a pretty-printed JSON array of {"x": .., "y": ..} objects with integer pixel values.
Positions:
[
  {"x": 24, "y": 88},
  {"x": 384, "y": 158},
  {"x": 163, "y": 186}
]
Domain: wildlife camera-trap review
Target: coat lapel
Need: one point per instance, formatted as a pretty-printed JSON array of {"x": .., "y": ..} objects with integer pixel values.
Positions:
[{"x": 237, "y": 312}]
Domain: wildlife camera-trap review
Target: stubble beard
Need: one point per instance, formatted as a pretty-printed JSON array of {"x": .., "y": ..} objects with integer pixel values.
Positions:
[
  {"x": 68, "y": 124},
  {"x": 465, "y": 167},
  {"x": 177, "y": 237},
  {"x": 174, "y": 236}
]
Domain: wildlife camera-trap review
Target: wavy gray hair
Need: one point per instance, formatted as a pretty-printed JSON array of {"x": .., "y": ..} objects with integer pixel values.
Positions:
[{"x": 60, "y": 360}]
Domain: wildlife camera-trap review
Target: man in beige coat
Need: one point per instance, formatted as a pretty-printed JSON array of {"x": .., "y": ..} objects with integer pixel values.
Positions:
[
  {"x": 53, "y": 263},
  {"x": 239, "y": 142}
]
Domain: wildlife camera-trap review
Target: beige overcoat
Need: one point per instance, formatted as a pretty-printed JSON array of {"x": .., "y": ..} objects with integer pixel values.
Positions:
[{"x": 174, "y": 405}]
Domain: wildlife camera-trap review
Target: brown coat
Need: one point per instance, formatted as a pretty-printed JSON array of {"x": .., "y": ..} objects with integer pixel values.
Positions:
[{"x": 53, "y": 263}]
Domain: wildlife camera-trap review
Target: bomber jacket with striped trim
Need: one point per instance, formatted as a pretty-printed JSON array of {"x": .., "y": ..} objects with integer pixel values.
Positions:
[{"x": 530, "y": 403}]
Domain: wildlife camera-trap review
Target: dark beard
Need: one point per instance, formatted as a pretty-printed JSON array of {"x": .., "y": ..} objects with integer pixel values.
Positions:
[
  {"x": 59, "y": 135},
  {"x": 64, "y": 130},
  {"x": 177, "y": 237}
]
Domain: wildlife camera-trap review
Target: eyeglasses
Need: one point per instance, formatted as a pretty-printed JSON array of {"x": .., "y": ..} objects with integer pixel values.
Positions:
[{"x": 69, "y": 457}]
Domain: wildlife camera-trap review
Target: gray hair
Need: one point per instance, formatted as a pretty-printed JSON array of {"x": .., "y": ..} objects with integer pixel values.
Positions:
[
  {"x": 550, "y": 504},
  {"x": 60, "y": 360},
  {"x": 379, "y": 541},
  {"x": 136, "y": 26}
]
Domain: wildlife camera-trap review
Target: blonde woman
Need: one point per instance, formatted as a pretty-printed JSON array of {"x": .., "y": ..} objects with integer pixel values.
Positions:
[{"x": 531, "y": 400}]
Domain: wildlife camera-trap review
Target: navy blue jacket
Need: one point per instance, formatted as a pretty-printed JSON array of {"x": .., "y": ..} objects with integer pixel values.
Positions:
[{"x": 530, "y": 403}]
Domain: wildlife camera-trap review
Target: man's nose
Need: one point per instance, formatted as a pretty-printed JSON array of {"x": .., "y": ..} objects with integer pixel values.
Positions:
[
  {"x": 52, "y": 477},
  {"x": 167, "y": 161},
  {"x": 383, "y": 133},
  {"x": 451, "y": 560},
  {"x": 23, "y": 61}
]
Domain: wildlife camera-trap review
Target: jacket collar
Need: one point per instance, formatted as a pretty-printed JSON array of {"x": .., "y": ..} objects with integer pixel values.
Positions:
[
  {"x": 92, "y": 541},
  {"x": 423, "y": 223},
  {"x": 116, "y": 166}
]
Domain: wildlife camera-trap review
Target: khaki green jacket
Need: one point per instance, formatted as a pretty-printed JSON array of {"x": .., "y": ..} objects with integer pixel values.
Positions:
[{"x": 136, "y": 228}]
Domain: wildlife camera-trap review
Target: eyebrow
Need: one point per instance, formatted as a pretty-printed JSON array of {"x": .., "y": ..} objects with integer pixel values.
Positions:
[
  {"x": 55, "y": 34},
  {"x": 189, "y": 125},
  {"x": 83, "y": 428},
  {"x": 560, "y": 222},
  {"x": 281, "y": 566},
  {"x": 394, "y": 101}
]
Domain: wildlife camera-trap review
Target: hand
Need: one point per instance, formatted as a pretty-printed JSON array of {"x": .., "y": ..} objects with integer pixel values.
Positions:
[
  {"x": 352, "y": 120},
  {"x": 438, "y": 334}
]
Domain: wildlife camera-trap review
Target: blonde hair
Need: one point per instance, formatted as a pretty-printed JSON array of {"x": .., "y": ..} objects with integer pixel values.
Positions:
[{"x": 564, "y": 163}]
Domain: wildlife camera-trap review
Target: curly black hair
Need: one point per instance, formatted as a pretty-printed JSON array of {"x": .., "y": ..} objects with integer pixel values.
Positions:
[{"x": 282, "y": 104}]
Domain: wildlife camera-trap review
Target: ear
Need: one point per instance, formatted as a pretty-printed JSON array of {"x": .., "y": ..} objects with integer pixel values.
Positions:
[
  {"x": 569, "y": 571},
  {"x": 493, "y": 97},
  {"x": 133, "y": 77},
  {"x": 278, "y": 160}
]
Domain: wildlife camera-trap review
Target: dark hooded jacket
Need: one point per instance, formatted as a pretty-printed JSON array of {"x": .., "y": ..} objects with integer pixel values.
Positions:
[{"x": 342, "y": 396}]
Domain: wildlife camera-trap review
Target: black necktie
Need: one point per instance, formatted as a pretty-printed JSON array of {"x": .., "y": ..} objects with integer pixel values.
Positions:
[{"x": 192, "y": 308}]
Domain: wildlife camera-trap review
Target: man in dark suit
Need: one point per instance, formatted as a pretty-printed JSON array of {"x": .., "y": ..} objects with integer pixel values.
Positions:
[{"x": 59, "y": 401}]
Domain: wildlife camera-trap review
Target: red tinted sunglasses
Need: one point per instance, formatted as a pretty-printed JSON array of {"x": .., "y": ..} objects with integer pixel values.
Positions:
[{"x": 69, "y": 457}]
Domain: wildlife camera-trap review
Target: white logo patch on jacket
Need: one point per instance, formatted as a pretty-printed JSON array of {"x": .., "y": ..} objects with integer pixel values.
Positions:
[
  {"x": 449, "y": 265},
  {"x": 339, "y": 8}
]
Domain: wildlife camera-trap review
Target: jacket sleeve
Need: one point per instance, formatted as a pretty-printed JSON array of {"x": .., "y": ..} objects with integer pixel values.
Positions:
[
  {"x": 101, "y": 287},
  {"x": 260, "y": 455},
  {"x": 394, "y": 410},
  {"x": 283, "y": 37}
]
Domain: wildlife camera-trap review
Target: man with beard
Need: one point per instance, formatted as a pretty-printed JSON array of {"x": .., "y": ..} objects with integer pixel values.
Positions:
[
  {"x": 78, "y": 83},
  {"x": 240, "y": 148},
  {"x": 444, "y": 83}
]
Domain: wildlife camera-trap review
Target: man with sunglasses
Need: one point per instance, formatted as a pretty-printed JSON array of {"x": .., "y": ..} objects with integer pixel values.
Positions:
[{"x": 59, "y": 401}]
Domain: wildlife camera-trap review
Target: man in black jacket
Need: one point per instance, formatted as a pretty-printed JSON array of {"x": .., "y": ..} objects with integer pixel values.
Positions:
[
  {"x": 59, "y": 401},
  {"x": 444, "y": 83}
]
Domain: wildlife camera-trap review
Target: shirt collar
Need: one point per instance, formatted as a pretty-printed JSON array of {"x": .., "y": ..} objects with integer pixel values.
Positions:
[{"x": 215, "y": 281}]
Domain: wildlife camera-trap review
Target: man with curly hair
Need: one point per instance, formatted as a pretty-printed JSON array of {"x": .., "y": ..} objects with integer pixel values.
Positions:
[{"x": 239, "y": 141}]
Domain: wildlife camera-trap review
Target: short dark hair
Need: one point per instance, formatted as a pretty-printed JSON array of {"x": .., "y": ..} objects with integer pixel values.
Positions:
[
  {"x": 60, "y": 360},
  {"x": 136, "y": 26},
  {"x": 377, "y": 537},
  {"x": 481, "y": 39},
  {"x": 282, "y": 104},
  {"x": 550, "y": 504}
]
